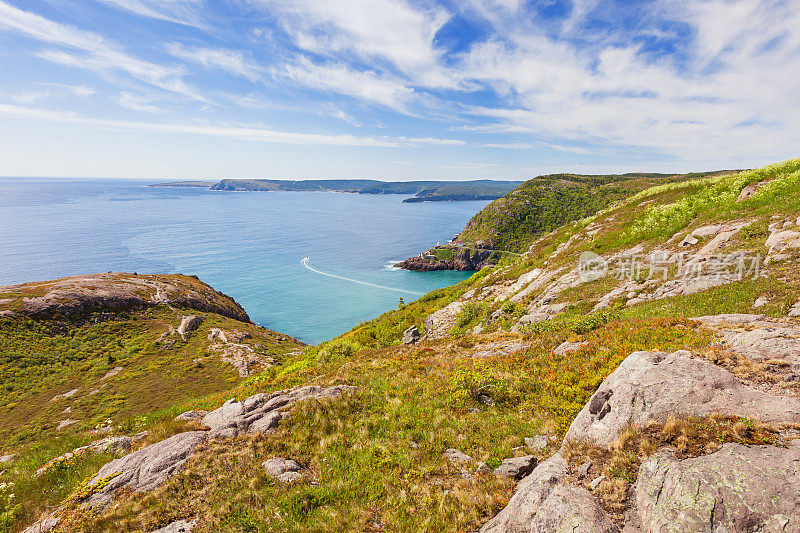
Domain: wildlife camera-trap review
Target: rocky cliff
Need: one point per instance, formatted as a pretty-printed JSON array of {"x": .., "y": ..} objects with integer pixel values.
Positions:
[{"x": 450, "y": 258}]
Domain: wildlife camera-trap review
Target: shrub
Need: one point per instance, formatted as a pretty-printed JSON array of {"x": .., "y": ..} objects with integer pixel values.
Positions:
[{"x": 337, "y": 349}]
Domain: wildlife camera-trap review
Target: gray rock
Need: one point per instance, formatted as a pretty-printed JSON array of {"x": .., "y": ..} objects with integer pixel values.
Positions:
[
  {"x": 411, "y": 335},
  {"x": 261, "y": 413},
  {"x": 596, "y": 482},
  {"x": 583, "y": 470},
  {"x": 537, "y": 442},
  {"x": 438, "y": 323},
  {"x": 531, "y": 493},
  {"x": 189, "y": 323},
  {"x": 189, "y": 416},
  {"x": 533, "y": 318},
  {"x": 760, "y": 302},
  {"x": 794, "y": 311},
  {"x": 757, "y": 337},
  {"x": 44, "y": 525},
  {"x": 782, "y": 241},
  {"x": 653, "y": 385},
  {"x": 111, "y": 445},
  {"x": 180, "y": 526},
  {"x": 7, "y": 458},
  {"x": 456, "y": 456},
  {"x": 571, "y": 509},
  {"x": 284, "y": 470},
  {"x": 65, "y": 423},
  {"x": 484, "y": 468},
  {"x": 516, "y": 467},
  {"x": 689, "y": 240},
  {"x": 567, "y": 346},
  {"x": 111, "y": 373},
  {"x": 145, "y": 469},
  {"x": 736, "y": 489},
  {"x": 224, "y": 417}
]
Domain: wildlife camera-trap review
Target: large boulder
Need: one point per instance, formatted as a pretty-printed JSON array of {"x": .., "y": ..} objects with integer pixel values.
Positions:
[
  {"x": 261, "y": 413},
  {"x": 736, "y": 489},
  {"x": 571, "y": 509},
  {"x": 653, "y": 385},
  {"x": 438, "y": 323},
  {"x": 189, "y": 323},
  {"x": 411, "y": 335},
  {"x": 145, "y": 469},
  {"x": 531, "y": 493},
  {"x": 516, "y": 467}
]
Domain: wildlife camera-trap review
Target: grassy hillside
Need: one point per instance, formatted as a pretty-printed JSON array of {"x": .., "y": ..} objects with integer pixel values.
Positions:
[
  {"x": 482, "y": 381},
  {"x": 544, "y": 203}
]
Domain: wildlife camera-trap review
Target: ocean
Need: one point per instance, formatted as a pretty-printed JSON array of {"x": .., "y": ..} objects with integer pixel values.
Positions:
[{"x": 249, "y": 245}]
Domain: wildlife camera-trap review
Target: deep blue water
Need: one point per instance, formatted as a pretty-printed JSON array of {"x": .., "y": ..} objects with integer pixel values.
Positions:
[{"x": 246, "y": 244}]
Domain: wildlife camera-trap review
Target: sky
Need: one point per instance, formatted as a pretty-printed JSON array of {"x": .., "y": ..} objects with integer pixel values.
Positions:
[{"x": 395, "y": 89}]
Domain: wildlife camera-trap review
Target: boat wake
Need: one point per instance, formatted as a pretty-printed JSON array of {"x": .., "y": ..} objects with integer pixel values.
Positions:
[{"x": 306, "y": 263}]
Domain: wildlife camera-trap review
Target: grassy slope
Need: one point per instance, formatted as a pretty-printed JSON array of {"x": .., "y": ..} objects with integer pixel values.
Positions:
[
  {"x": 42, "y": 359},
  {"x": 375, "y": 456},
  {"x": 545, "y": 203}
]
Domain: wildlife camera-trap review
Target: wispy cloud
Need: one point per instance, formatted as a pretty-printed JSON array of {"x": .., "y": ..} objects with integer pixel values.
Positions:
[
  {"x": 138, "y": 102},
  {"x": 364, "y": 85},
  {"x": 97, "y": 53},
  {"x": 186, "y": 12},
  {"x": 233, "y": 62},
  {"x": 246, "y": 132},
  {"x": 47, "y": 91}
]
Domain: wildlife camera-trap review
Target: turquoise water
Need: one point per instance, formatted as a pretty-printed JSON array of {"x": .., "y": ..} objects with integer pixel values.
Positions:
[{"x": 248, "y": 245}]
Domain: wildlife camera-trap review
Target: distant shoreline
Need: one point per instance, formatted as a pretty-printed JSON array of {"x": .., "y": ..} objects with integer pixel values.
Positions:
[{"x": 420, "y": 191}]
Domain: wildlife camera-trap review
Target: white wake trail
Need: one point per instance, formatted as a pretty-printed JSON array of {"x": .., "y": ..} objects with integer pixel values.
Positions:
[{"x": 312, "y": 269}]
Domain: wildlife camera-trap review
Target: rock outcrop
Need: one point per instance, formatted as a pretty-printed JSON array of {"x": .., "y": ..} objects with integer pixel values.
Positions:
[
  {"x": 261, "y": 413},
  {"x": 144, "y": 469},
  {"x": 653, "y": 385},
  {"x": 531, "y": 493},
  {"x": 737, "y": 488},
  {"x": 115, "y": 291},
  {"x": 462, "y": 259},
  {"x": 284, "y": 470},
  {"x": 438, "y": 323},
  {"x": 734, "y": 489}
]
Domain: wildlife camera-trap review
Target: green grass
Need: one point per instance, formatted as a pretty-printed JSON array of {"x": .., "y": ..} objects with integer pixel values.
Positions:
[{"x": 376, "y": 455}]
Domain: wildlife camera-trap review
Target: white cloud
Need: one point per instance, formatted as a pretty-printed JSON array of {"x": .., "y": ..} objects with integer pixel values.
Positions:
[
  {"x": 231, "y": 61},
  {"x": 392, "y": 30},
  {"x": 246, "y": 132},
  {"x": 46, "y": 91},
  {"x": 365, "y": 85},
  {"x": 178, "y": 11},
  {"x": 137, "y": 102},
  {"x": 735, "y": 93},
  {"x": 99, "y": 55}
]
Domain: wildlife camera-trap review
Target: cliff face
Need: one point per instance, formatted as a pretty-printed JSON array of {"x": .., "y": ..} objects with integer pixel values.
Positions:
[{"x": 460, "y": 259}]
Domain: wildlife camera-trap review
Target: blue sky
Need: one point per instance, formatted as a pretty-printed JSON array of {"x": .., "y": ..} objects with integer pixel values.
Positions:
[{"x": 394, "y": 89}]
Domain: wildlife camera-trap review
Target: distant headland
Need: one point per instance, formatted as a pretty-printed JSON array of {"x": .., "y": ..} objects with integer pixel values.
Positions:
[{"x": 420, "y": 191}]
